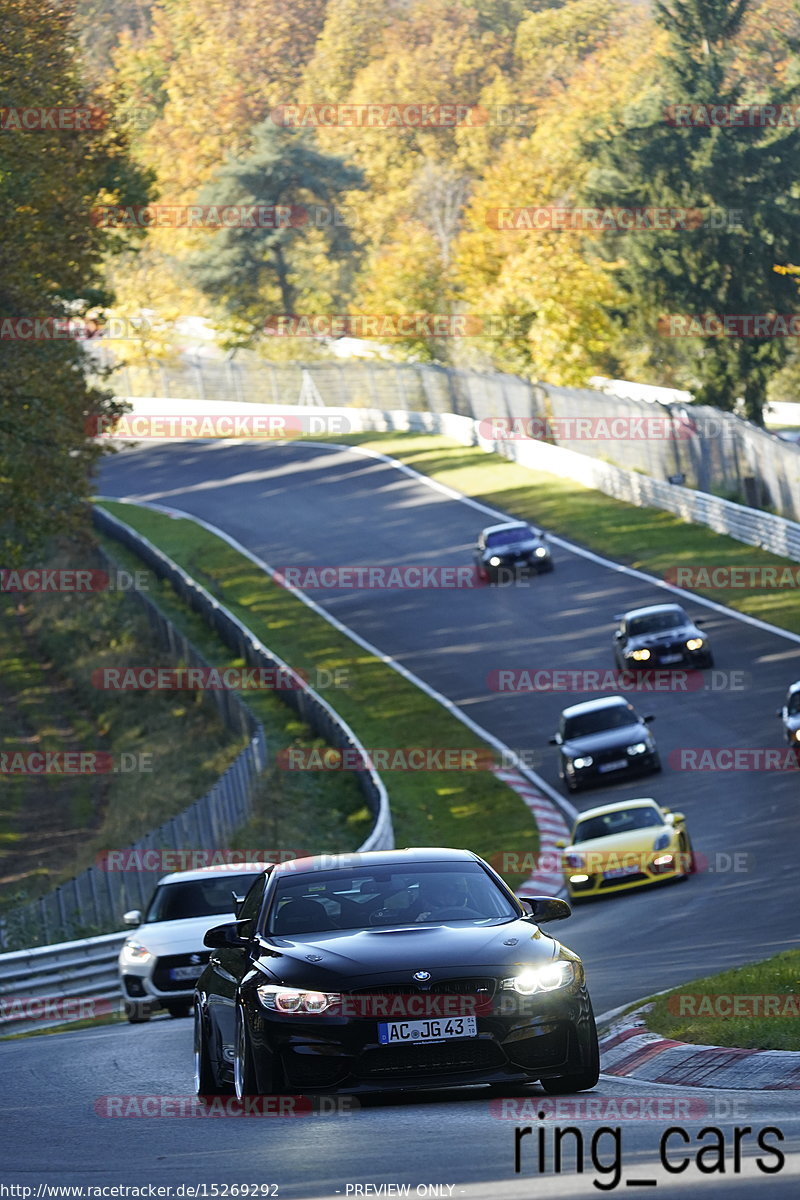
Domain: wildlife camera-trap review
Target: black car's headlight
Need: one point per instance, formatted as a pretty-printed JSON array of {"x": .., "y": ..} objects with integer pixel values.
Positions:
[
  {"x": 582, "y": 761},
  {"x": 541, "y": 552},
  {"x": 494, "y": 561},
  {"x": 796, "y": 734},
  {"x": 639, "y": 655},
  {"x": 637, "y": 748},
  {"x": 694, "y": 644},
  {"x": 531, "y": 980},
  {"x": 296, "y": 1000}
]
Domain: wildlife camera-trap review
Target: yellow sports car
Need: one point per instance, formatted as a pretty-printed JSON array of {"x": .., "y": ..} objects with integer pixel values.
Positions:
[{"x": 625, "y": 845}]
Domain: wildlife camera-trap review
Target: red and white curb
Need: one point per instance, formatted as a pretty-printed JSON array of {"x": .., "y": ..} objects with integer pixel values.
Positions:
[
  {"x": 628, "y": 1048},
  {"x": 547, "y": 879}
]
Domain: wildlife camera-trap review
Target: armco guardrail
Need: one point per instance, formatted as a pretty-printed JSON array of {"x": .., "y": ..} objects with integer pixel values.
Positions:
[
  {"x": 750, "y": 525},
  {"x": 724, "y": 454},
  {"x": 50, "y": 985}
]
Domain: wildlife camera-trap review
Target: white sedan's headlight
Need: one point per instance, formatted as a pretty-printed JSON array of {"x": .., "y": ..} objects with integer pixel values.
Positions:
[
  {"x": 296, "y": 1000},
  {"x": 135, "y": 952},
  {"x": 541, "y": 979}
]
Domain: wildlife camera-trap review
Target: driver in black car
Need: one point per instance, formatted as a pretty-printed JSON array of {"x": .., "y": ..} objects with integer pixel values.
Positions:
[{"x": 445, "y": 898}]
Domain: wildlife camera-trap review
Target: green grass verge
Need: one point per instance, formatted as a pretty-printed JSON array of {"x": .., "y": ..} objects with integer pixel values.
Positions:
[
  {"x": 52, "y": 826},
  {"x": 465, "y": 808},
  {"x": 291, "y": 810},
  {"x": 646, "y": 538},
  {"x": 698, "y": 1011}
]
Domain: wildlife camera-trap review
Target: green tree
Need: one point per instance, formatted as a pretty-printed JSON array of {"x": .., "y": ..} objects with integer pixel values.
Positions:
[
  {"x": 741, "y": 181},
  {"x": 51, "y": 270},
  {"x": 307, "y": 259}
]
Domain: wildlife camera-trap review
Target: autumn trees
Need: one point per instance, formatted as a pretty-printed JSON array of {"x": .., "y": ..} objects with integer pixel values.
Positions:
[{"x": 51, "y": 272}]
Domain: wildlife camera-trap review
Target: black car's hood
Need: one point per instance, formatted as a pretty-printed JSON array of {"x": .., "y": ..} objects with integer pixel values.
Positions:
[
  {"x": 391, "y": 954},
  {"x": 509, "y": 548},
  {"x": 608, "y": 739},
  {"x": 680, "y": 633}
]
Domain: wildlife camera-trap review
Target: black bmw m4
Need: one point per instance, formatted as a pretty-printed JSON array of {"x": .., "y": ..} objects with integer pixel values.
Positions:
[{"x": 394, "y": 969}]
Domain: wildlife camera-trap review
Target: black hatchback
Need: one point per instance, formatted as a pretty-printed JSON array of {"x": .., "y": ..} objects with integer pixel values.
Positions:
[
  {"x": 661, "y": 635},
  {"x": 394, "y": 969}
]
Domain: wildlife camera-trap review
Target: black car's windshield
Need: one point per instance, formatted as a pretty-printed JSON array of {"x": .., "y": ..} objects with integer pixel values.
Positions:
[
  {"x": 616, "y": 822},
  {"x": 673, "y": 618},
  {"x": 505, "y": 537},
  {"x": 584, "y": 724},
  {"x": 208, "y": 897},
  {"x": 324, "y": 901}
]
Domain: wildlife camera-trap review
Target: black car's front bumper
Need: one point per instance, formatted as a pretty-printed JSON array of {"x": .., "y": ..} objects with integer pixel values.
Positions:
[
  {"x": 630, "y": 764},
  {"x": 509, "y": 568},
  {"x": 546, "y": 1035}
]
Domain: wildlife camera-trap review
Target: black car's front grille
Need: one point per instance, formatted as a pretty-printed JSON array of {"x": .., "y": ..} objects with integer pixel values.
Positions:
[
  {"x": 485, "y": 988},
  {"x": 614, "y": 754},
  {"x": 430, "y": 1059},
  {"x": 162, "y": 978}
]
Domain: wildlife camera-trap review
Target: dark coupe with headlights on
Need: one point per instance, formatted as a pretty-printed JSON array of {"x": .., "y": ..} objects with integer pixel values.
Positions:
[
  {"x": 601, "y": 739},
  {"x": 393, "y": 969},
  {"x": 662, "y": 635},
  {"x": 503, "y": 551}
]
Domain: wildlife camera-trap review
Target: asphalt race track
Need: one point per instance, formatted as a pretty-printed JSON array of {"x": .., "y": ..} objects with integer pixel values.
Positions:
[{"x": 298, "y": 504}]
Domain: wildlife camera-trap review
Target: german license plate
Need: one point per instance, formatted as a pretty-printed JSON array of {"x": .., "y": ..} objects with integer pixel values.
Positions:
[
  {"x": 620, "y": 872},
  {"x": 671, "y": 658},
  {"x": 616, "y": 765},
  {"x": 185, "y": 972},
  {"x": 390, "y": 1033}
]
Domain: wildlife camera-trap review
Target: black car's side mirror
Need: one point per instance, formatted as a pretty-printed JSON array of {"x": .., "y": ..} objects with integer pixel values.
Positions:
[
  {"x": 618, "y": 634},
  {"x": 555, "y": 740},
  {"x": 546, "y": 908},
  {"x": 700, "y": 621},
  {"x": 222, "y": 936},
  {"x": 646, "y": 720}
]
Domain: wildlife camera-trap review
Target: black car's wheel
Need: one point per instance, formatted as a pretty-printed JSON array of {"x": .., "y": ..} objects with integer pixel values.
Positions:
[
  {"x": 245, "y": 1081},
  {"x": 581, "y": 1081},
  {"x": 205, "y": 1077},
  {"x": 656, "y": 764},
  {"x": 482, "y": 573},
  {"x": 178, "y": 1008}
]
